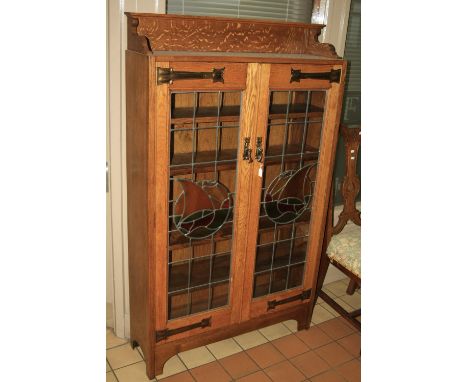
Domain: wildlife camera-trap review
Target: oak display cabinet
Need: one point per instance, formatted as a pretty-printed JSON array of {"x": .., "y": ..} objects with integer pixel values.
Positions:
[{"x": 231, "y": 135}]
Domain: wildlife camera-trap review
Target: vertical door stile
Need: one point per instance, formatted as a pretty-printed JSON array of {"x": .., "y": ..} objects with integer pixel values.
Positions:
[
  {"x": 254, "y": 121},
  {"x": 330, "y": 139},
  {"x": 161, "y": 196}
]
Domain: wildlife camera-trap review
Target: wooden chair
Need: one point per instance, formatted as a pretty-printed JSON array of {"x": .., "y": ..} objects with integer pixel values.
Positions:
[{"x": 342, "y": 242}]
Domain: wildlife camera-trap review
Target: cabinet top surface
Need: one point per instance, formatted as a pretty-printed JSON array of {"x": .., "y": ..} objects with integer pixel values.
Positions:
[{"x": 175, "y": 34}]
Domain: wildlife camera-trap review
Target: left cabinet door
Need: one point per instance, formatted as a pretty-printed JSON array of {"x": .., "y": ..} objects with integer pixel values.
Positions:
[{"x": 198, "y": 111}]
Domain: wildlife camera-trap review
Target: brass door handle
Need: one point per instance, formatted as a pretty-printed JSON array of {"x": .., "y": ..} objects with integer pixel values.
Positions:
[
  {"x": 247, "y": 150},
  {"x": 168, "y": 75},
  {"x": 332, "y": 75},
  {"x": 259, "y": 150}
]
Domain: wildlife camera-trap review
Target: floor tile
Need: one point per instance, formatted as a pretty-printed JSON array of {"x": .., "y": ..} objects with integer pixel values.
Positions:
[
  {"x": 173, "y": 366},
  {"x": 140, "y": 351},
  {"x": 107, "y": 366},
  {"x": 354, "y": 300},
  {"x": 259, "y": 376},
  {"x": 239, "y": 365},
  {"x": 310, "y": 364},
  {"x": 112, "y": 340},
  {"x": 334, "y": 354},
  {"x": 352, "y": 344},
  {"x": 328, "y": 376},
  {"x": 224, "y": 348},
  {"x": 196, "y": 357},
  {"x": 314, "y": 337},
  {"x": 110, "y": 377},
  {"x": 284, "y": 371},
  {"x": 121, "y": 356},
  {"x": 327, "y": 307},
  {"x": 133, "y": 373},
  {"x": 338, "y": 288},
  {"x": 181, "y": 377},
  {"x": 211, "y": 372},
  {"x": 343, "y": 304},
  {"x": 250, "y": 339},
  {"x": 291, "y": 325},
  {"x": 351, "y": 371},
  {"x": 337, "y": 328},
  {"x": 265, "y": 355},
  {"x": 290, "y": 346},
  {"x": 321, "y": 315},
  {"x": 275, "y": 331}
]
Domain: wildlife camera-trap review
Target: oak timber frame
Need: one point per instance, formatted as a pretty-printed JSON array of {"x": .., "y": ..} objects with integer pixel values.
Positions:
[{"x": 258, "y": 57}]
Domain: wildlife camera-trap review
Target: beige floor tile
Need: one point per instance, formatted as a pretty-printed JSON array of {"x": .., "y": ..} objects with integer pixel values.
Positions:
[
  {"x": 330, "y": 309},
  {"x": 320, "y": 315},
  {"x": 250, "y": 339},
  {"x": 291, "y": 325},
  {"x": 121, "y": 356},
  {"x": 354, "y": 300},
  {"x": 173, "y": 366},
  {"x": 196, "y": 357},
  {"x": 273, "y": 332},
  {"x": 107, "y": 366},
  {"x": 110, "y": 377},
  {"x": 133, "y": 373},
  {"x": 338, "y": 288},
  {"x": 112, "y": 340},
  {"x": 344, "y": 304},
  {"x": 224, "y": 348}
]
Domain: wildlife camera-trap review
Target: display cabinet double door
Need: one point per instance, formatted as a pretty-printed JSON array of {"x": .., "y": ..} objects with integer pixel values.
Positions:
[{"x": 243, "y": 162}]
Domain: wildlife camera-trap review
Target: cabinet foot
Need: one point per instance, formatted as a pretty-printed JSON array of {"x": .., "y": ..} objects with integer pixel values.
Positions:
[{"x": 134, "y": 344}]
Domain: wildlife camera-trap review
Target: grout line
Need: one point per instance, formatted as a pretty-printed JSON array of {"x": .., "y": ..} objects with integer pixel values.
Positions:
[
  {"x": 113, "y": 372},
  {"x": 116, "y": 346},
  {"x": 220, "y": 364},
  {"x": 141, "y": 353},
  {"x": 130, "y": 364}
]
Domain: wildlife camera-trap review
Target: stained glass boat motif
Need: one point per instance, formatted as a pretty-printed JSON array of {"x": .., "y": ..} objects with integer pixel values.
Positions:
[
  {"x": 202, "y": 208},
  {"x": 289, "y": 194}
]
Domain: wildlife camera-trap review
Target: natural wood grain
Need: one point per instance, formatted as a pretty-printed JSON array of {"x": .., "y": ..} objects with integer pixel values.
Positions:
[
  {"x": 162, "y": 105},
  {"x": 324, "y": 177},
  {"x": 234, "y": 76},
  {"x": 282, "y": 78},
  {"x": 351, "y": 182},
  {"x": 209, "y": 335},
  {"x": 258, "y": 119},
  {"x": 151, "y": 145},
  {"x": 137, "y": 183},
  {"x": 319, "y": 265},
  {"x": 210, "y": 34}
]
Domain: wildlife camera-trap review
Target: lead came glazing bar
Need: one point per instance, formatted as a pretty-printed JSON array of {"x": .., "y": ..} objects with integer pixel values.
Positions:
[{"x": 202, "y": 191}]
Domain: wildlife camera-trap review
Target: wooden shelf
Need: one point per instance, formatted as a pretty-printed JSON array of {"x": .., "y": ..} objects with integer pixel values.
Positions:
[
  {"x": 179, "y": 241},
  {"x": 184, "y": 115},
  {"x": 263, "y": 261},
  {"x": 204, "y": 160},
  {"x": 295, "y": 111}
]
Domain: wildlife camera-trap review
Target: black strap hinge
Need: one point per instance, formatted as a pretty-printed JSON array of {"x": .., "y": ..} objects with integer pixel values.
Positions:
[
  {"x": 301, "y": 296},
  {"x": 165, "y": 333}
]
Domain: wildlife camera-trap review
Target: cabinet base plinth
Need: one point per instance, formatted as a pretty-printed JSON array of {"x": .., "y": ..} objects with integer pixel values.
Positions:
[{"x": 165, "y": 350}]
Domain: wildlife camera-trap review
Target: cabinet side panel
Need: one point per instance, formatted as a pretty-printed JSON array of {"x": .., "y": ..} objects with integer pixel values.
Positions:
[{"x": 137, "y": 168}]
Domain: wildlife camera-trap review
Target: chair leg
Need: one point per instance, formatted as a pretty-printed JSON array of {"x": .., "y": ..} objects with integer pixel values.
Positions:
[{"x": 351, "y": 287}]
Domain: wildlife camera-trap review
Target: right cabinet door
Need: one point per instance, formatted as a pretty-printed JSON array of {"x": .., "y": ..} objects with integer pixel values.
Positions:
[{"x": 294, "y": 148}]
